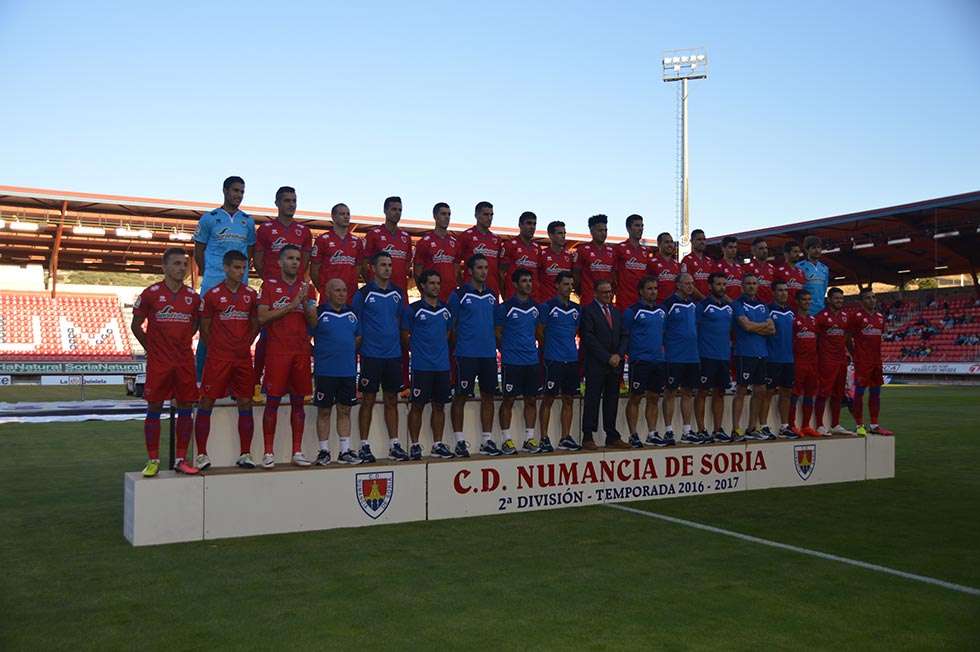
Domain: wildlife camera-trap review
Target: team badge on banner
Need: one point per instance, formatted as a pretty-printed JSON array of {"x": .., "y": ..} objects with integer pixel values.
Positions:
[
  {"x": 374, "y": 491},
  {"x": 805, "y": 458}
]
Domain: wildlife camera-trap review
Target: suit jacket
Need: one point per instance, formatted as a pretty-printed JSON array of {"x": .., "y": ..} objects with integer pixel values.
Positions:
[{"x": 598, "y": 340}]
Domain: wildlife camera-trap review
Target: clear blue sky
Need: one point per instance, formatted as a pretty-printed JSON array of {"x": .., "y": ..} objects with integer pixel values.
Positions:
[{"x": 811, "y": 109}]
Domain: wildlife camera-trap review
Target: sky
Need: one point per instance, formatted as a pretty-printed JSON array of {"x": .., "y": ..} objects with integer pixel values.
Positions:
[{"x": 810, "y": 109}]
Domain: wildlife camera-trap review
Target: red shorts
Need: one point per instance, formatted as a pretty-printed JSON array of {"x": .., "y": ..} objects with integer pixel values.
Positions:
[
  {"x": 288, "y": 374},
  {"x": 171, "y": 379},
  {"x": 806, "y": 380},
  {"x": 868, "y": 375},
  {"x": 833, "y": 378},
  {"x": 222, "y": 378}
]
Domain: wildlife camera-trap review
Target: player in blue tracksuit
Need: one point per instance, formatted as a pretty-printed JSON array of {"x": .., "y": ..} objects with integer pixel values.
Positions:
[
  {"x": 779, "y": 361},
  {"x": 643, "y": 324},
  {"x": 714, "y": 316},
  {"x": 558, "y": 322},
  {"x": 752, "y": 326},
  {"x": 473, "y": 306},
  {"x": 817, "y": 274},
  {"x": 516, "y": 322},
  {"x": 683, "y": 362}
]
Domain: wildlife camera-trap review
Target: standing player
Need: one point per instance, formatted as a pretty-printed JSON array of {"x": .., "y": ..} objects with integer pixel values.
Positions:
[
  {"x": 170, "y": 309},
  {"x": 286, "y": 309},
  {"x": 516, "y": 322},
  {"x": 664, "y": 268},
  {"x": 336, "y": 336},
  {"x": 789, "y": 273},
  {"x": 681, "y": 349},
  {"x": 832, "y": 325},
  {"x": 558, "y": 321},
  {"x": 866, "y": 325},
  {"x": 438, "y": 250},
  {"x": 521, "y": 252},
  {"x": 219, "y": 231},
  {"x": 378, "y": 306},
  {"x": 752, "y": 326},
  {"x": 472, "y": 306},
  {"x": 714, "y": 316},
  {"x": 594, "y": 261},
  {"x": 393, "y": 241},
  {"x": 632, "y": 259},
  {"x": 730, "y": 267},
  {"x": 806, "y": 378},
  {"x": 426, "y": 329},
  {"x": 779, "y": 361},
  {"x": 643, "y": 324},
  {"x": 479, "y": 239},
  {"x": 698, "y": 265},
  {"x": 336, "y": 253},
  {"x": 762, "y": 269},
  {"x": 554, "y": 259},
  {"x": 817, "y": 274},
  {"x": 229, "y": 323}
]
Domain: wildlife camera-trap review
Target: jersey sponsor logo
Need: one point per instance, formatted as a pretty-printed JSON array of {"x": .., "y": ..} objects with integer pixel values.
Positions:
[
  {"x": 634, "y": 264},
  {"x": 230, "y": 313},
  {"x": 805, "y": 459},
  {"x": 599, "y": 266},
  {"x": 279, "y": 243},
  {"x": 228, "y": 235},
  {"x": 554, "y": 268},
  {"x": 441, "y": 257},
  {"x": 169, "y": 313},
  {"x": 374, "y": 491},
  {"x": 340, "y": 258},
  {"x": 392, "y": 251},
  {"x": 526, "y": 262},
  {"x": 485, "y": 250}
]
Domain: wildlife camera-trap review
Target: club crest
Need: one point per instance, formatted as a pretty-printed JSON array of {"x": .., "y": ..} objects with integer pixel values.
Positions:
[
  {"x": 805, "y": 458},
  {"x": 374, "y": 491}
]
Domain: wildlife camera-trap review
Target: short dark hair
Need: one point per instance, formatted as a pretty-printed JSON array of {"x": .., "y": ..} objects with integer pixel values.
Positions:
[
  {"x": 602, "y": 281},
  {"x": 728, "y": 239},
  {"x": 480, "y": 205},
  {"x": 865, "y": 290},
  {"x": 525, "y": 216},
  {"x": 642, "y": 283},
  {"x": 473, "y": 260},
  {"x": 562, "y": 275},
  {"x": 749, "y": 275},
  {"x": 283, "y": 190},
  {"x": 788, "y": 246},
  {"x": 288, "y": 247},
  {"x": 438, "y": 207},
  {"x": 812, "y": 241},
  {"x": 233, "y": 255},
  {"x": 665, "y": 234},
  {"x": 802, "y": 293},
  {"x": 379, "y": 255},
  {"x": 426, "y": 275},
  {"x": 552, "y": 226},
  {"x": 834, "y": 290},
  {"x": 336, "y": 207},
  {"x": 697, "y": 231},
  {"x": 226, "y": 184},
  {"x": 520, "y": 273},
  {"x": 391, "y": 200},
  {"x": 633, "y": 218},
  {"x": 778, "y": 283},
  {"x": 758, "y": 240},
  {"x": 713, "y": 275},
  {"x": 171, "y": 252},
  {"x": 598, "y": 219}
]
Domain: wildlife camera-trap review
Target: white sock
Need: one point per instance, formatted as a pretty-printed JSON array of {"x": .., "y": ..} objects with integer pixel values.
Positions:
[
  {"x": 653, "y": 433},
  {"x": 873, "y": 426},
  {"x": 178, "y": 460},
  {"x": 669, "y": 431},
  {"x": 504, "y": 435},
  {"x": 486, "y": 437},
  {"x": 392, "y": 442},
  {"x": 529, "y": 433},
  {"x": 364, "y": 442},
  {"x": 785, "y": 426},
  {"x": 325, "y": 445},
  {"x": 344, "y": 444},
  {"x": 460, "y": 437},
  {"x": 687, "y": 428}
]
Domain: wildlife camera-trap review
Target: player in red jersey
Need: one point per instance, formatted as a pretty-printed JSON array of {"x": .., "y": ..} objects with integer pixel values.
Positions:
[
  {"x": 762, "y": 268},
  {"x": 439, "y": 250},
  {"x": 866, "y": 325},
  {"x": 805, "y": 373},
  {"x": 229, "y": 323},
  {"x": 170, "y": 309},
  {"x": 270, "y": 238},
  {"x": 287, "y": 306},
  {"x": 594, "y": 261},
  {"x": 789, "y": 273},
  {"x": 553, "y": 260},
  {"x": 521, "y": 252},
  {"x": 337, "y": 253},
  {"x": 730, "y": 267},
  {"x": 699, "y": 266},
  {"x": 390, "y": 239},
  {"x": 632, "y": 259},
  {"x": 832, "y": 334},
  {"x": 479, "y": 239},
  {"x": 664, "y": 267}
]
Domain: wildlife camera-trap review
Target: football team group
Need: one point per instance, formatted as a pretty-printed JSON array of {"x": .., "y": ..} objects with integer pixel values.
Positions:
[{"x": 333, "y": 321}]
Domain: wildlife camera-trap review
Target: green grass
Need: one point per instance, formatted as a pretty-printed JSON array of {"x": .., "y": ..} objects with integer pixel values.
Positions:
[
  {"x": 36, "y": 393},
  {"x": 587, "y": 578}
]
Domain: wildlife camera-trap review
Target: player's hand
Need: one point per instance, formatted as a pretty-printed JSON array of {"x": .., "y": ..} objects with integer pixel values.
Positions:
[{"x": 614, "y": 360}]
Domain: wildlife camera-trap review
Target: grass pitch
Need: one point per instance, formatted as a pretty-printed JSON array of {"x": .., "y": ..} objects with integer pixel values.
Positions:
[{"x": 585, "y": 578}]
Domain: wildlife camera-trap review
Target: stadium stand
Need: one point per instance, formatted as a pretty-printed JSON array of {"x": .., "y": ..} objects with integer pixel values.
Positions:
[{"x": 925, "y": 327}]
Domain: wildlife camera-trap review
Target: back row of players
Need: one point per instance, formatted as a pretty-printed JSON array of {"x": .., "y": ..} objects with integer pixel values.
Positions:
[{"x": 675, "y": 317}]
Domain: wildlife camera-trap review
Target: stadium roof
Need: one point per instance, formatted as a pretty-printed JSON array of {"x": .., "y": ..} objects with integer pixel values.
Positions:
[{"x": 936, "y": 237}]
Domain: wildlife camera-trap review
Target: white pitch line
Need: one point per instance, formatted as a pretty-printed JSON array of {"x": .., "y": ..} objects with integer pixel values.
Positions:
[{"x": 805, "y": 551}]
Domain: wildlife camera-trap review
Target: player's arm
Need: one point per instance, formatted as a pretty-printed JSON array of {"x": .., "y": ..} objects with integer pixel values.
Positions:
[
  {"x": 759, "y": 328},
  {"x": 539, "y": 335},
  {"x": 310, "y": 312},
  {"x": 205, "y": 323},
  {"x": 250, "y": 252},
  {"x": 137, "y": 327},
  {"x": 406, "y": 337},
  {"x": 259, "y": 260},
  {"x": 199, "y": 248}
]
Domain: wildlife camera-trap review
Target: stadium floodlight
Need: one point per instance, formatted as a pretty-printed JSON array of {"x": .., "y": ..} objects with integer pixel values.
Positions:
[
  {"x": 181, "y": 236},
  {"x": 904, "y": 271},
  {"x": 897, "y": 241},
  {"x": 863, "y": 245},
  {"x": 947, "y": 234},
  {"x": 3, "y": 224},
  {"x": 840, "y": 278},
  {"x": 941, "y": 267},
  {"x": 683, "y": 65},
  {"x": 79, "y": 229},
  {"x": 26, "y": 227},
  {"x": 144, "y": 234},
  {"x": 832, "y": 251}
]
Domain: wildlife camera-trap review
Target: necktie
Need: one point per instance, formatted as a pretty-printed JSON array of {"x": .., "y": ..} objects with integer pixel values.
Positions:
[{"x": 605, "y": 311}]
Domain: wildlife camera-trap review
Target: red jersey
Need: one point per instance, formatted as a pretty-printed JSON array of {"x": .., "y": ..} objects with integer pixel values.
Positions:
[
  {"x": 287, "y": 335},
  {"x": 171, "y": 320},
  {"x": 733, "y": 277},
  {"x": 832, "y": 335},
  {"x": 666, "y": 271},
  {"x": 765, "y": 273},
  {"x": 794, "y": 277},
  {"x": 866, "y": 328},
  {"x": 338, "y": 258},
  {"x": 631, "y": 266},
  {"x": 805, "y": 341},
  {"x": 520, "y": 255},
  {"x": 442, "y": 255},
  {"x": 595, "y": 262},
  {"x": 549, "y": 266},
  {"x": 397, "y": 245},
  {"x": 472, "y": 242},
  {"x": 231, "y": 314},
  {"x": 272, "y": 236},
  {"x": 700, "y": 268}
]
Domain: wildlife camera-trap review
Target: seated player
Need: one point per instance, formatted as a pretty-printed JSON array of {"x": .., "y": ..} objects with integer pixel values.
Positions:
[
  {"x": 229, "y": 323},
  {"x": 170, "y": 309},
  {"x": 643, "y": 324},
  {"x": 558, "y": 322},
  {"x": 779, "y": 363},
  {"x": 866, "y": 325},
  {"x": 714, "y": 317},
  {"x": 336, "y": 336},
  {"x": 515, "y": 323}
]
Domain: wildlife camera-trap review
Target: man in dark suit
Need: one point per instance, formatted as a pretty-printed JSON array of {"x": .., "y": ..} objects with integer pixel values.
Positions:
[{"x": 604, "y": 347}]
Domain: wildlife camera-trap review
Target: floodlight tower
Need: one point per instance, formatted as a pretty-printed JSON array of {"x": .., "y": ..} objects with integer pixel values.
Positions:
[{"x": 682, "y": 65}]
